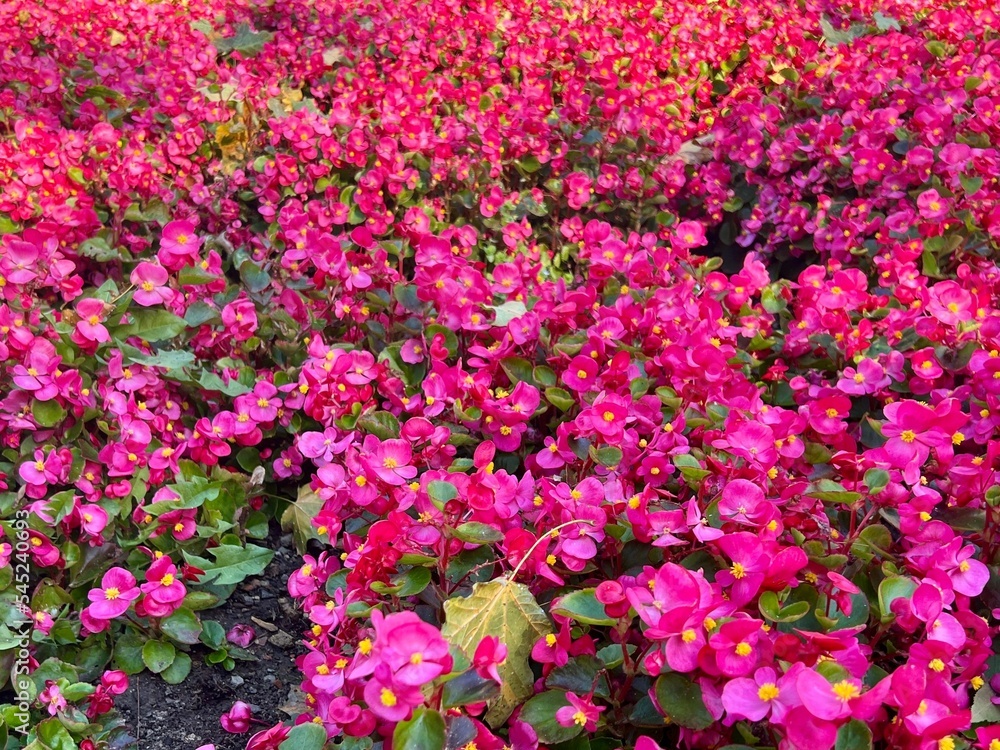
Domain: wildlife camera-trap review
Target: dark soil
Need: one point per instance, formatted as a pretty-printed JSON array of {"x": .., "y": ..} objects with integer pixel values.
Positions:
[{"x": 186, "y": 716}]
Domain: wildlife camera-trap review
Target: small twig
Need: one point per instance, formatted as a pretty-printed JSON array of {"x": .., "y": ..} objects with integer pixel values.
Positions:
[{"x": 546, "y": 535}]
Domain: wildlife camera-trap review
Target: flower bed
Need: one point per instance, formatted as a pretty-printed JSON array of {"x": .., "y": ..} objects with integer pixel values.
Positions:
[{"x": 626, "y": 374}]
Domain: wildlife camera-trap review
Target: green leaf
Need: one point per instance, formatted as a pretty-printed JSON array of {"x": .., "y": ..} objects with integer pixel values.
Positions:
[
  {"x": 559, "y": 398},
  {"x": 178, "y": 671},
  {"x": 681, "y": 700},
  {"x": 47, "y": 413},
  {"x": 195, "y": 276},
  {"x": 529, "y": 164},
  {"x": 582, "y": 606},
  {"x": 61, "y": 504},
  {"x": 507, "y": 611},
  {"x": 768, "y": 605},
  {"x": 518, "y": 369},
  {"x": 540, "y": 714},
  {"x": 468, "y": 688},
  {"x": 423, "y": 731},
  {"x": 876, "y": 480},
  {"x": 983, "y": 708},
  {"x": 54, "y": 736},
  {"x": 832, "y": 492},
  {"x": 929, "y": 263},
  {"x": 638, "y": 388},
  {"x": 183, "y": 626},
  {"x": 298, "y": 517},
  {"x": 773, "y": 611},
  {"x": 854, "y": 735},
  {"x": 607, "y": 455},
  {"x": 98, "y": 249},
  {"x": 234, "y": 563},
  {"x": 543, "y": 375},
  {"x": 197, "y": 601},
  {"x": 890, "y": 589},
  {"x": 254, "y": 277},
  {"x": 834, "y": 37},
  {"x": 169, "y": 359},
  {"x": 441, "y": 492},
  {"x": 406, "y": 295},
  {"x": 200, "y": 313},
  {"x": 450, "y": 339},
  {"x": 381, "y": 424},
  {"x": 213, "y": 634},
  {"x": 128, "y": 653},
  {"x": 971, "y": 185},
  {"x": 885, "y": 23},
  {"x": 158, "y": 655},
  {"x": 7, "y": 226},
  {"x": 474, "y": 532},
  {"x": 306, "y": 736},
  {"x": 212, "y": 382},
  {"x": 507, "y": 312},
  {"x": 873, "y": 540},
  {"x": 152, "y": 324},
  {"x": 412, "y": 582},
  {"x": 244, "y": 41},
  {"x": 579, "y": 675},
  {"x": 936, "y": 48}
]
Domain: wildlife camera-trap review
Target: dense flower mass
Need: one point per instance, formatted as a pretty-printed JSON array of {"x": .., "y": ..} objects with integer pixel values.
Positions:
[{"x": 627, "y": 373}]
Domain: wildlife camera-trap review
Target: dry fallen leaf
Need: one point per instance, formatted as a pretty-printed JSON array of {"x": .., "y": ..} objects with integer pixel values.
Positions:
[
  {"x": 270, "y": 627},
  {"x": 508, "y": 611},
  {"x": 298, "y": 517}
]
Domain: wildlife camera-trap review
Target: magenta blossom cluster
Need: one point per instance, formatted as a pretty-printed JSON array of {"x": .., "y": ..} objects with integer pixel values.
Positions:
[{"x": 627, "y": 374}]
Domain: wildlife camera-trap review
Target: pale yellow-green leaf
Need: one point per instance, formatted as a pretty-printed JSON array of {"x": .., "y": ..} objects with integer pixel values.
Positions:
[
  {"x": 298, "y": 517},
  {"x": 505, "y": 610}
]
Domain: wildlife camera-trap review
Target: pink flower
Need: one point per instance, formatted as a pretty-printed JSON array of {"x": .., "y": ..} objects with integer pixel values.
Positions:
[
  {"x": 580, "y": 373},
  {"x": 752, "y": 441},
  {"x": 321, "y": 446},
  {"x": 162, "y": 588},
  {"x": 746, "y": 574},
  {"x": 390, "y": 461},
  {"x": 737, "y": 646},
  {"x": 606, "y": 417},
  {"x": 699, "y": 524},
  {"x": 89, "y": 325},
  {"x": 838, "y": 700},
  {"x": 414, "y": 650},
  {"x": 743, "y": 502},
  {"x": 390, "y": 700},
  {"x": 178, "y": 245},
  {"x": 116, "y": 594},
  {"x": 240, "y": 319},
  {"x": 150, "y": 281},
  {"x": 968, "y": 575},
  {"x": 490, "y": 653},
  {"x": 577, "y": 188},
  {"x": 52, "y": 695},
  {"x": 868, "y": 378},
  {"x": 241, "y": 635},
  {"x": 913, "y": 429},
  {"x": 762, "y": 695},
  {"x": 580, "y": 712},
  {"x": 237, "y": 719},
  {"x": 950, "y": 303},
  {"x": 688, "y": 235},
  {"x": 931, "y": 205}
]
